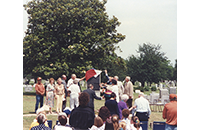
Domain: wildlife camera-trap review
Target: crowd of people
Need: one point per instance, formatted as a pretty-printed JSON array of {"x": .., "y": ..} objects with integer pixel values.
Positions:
[{"x": 80, "y": 115}]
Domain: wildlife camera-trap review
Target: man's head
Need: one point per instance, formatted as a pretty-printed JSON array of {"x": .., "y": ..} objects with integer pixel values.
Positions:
[
  {"x": 113, "y": 95},
  {"x": 83, "y": 99},
  {"x": 73, "y": 76},
  {"x": 116, "y": 78},
  {"x": 141, "y": 94},
  {"x": 62, "y": 118},
  {"x": 91, "y": 86},
  {"x": 41, "y": 118},
  {"x": 39, "y": 79},
  {"x": 64, "y": 77},
  {"x": 127, "y": 78},
  {"x": 114, "y": 82}
]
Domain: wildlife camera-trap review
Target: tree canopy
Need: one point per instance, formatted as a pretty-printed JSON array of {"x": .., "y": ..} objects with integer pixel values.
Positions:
[
  {"x": 151, "y": 65},
  {"x": 67, "y": 36}
]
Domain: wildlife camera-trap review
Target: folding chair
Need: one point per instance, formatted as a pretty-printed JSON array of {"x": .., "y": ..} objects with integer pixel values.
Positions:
[
  {"x": 50, "y": 123},
  {"x": 157, "y": 125},
  {"x": 144, "y": 125}
]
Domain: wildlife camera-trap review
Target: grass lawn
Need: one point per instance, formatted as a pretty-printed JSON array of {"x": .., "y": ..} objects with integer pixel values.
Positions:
[{"x": 29, "y": 108}]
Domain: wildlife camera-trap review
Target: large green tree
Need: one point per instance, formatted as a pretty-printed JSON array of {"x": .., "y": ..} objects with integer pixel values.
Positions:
[
  {"x": 151, "y": 65},
  {"x": 67, "y": 36}
]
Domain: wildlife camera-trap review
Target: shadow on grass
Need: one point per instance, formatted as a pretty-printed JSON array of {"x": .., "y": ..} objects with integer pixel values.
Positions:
[{"x": 29, "y": 93}]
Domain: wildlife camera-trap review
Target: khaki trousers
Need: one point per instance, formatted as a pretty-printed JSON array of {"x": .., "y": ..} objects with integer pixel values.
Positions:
[{"x": 59, "y": 103}]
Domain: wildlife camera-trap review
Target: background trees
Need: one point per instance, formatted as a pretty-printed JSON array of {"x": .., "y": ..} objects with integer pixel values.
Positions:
[
  {"x": 67, "y": 36},
  {"x": 151, "y": 65}
]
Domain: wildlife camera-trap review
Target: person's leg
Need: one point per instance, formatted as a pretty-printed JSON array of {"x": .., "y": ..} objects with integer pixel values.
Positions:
[
  {"x": 37, "y": 102},
  {"x": 41, "y": 100},
  {"x": 57, "y": 105},
  {"x": 61, "y": 101},
  {"x": 71, "y": 102},
  {"x": 76, "y": 101}
]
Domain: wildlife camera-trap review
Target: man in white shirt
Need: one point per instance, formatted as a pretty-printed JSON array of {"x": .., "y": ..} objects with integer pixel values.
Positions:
[
  {"x": 74, "y": 91},
  {"x": 115, "y": 89},
  {"x": 143, "y": 110},
  {"x": 73, "y": 77},
  {"x": 120, "y": 87}
]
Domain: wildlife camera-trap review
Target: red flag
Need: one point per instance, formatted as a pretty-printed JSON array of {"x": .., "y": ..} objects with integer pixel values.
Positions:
[{"x": 89, "y": 74}]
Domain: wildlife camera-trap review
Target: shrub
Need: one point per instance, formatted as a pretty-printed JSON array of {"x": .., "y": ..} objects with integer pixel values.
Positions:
[
  {"x": 146, "y": 88},
  {"x": 153, "y": 88},
  {"x": 139, "y": 88},
  {"x": 31, "y": 83}
]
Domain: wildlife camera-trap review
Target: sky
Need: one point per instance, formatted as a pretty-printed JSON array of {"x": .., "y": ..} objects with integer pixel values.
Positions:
[{"x": 142, "y": 21}]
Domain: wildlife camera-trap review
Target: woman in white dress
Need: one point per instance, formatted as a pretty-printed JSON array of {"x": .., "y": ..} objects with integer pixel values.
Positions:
[{"x": 50, "y": 95}]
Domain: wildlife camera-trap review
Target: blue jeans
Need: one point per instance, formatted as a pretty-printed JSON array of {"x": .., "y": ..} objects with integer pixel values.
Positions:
[
  {"x": 170, "y": 127},
  {"x": 39, "y": 99}
]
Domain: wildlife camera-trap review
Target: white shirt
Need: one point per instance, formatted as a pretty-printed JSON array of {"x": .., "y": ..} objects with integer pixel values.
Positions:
[
  {"x": 133, "y": 128},
  {"x": 98, "y": 128},
  {"x": 70, "y": 81},
  {"x": 115, "y": 90},
  {"x": 74, "y": 88},
  {"x": 120, "y": 87},
  {"x": 142, "y": 105},
  {"x": 128, "y": 123},
  {"x": 60, "y": 127}
]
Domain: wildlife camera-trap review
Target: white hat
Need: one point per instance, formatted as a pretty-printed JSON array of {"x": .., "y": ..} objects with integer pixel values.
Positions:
[
  {"x": 109, "y": 87},
  {"x": 39, "y": 110}
]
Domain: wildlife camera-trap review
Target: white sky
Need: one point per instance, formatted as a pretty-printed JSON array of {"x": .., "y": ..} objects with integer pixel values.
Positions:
[{"x": 142, "y": 21}]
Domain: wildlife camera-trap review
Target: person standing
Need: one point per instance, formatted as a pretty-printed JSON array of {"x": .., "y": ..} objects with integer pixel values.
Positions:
[
  {"x": 65, "y": 86},
  {"x": 122, "y": 104},
  {"x": 170, "y": 113},
  {"x": 74, "y": 91},
  {"x": 39, "y": 88},
  {"x": 143, "y": 110},
  {"x": 59, "y": 95},
  {"x": 128, "y": 89},
  {"x": 120, "y": 87},
  {"x": 112, "y": 105},
  {"x": 115, "y": 89},
  {"x": 50, "y": 94},
  {"x": 93, "y": 95},
  {"x": 73, "y": 77},
  {"x": 82, "y": 117}
]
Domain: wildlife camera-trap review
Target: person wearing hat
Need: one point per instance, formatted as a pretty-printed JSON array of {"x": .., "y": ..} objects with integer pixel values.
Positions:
[
  {"x": 170, "y": 113},
  {"x": 39, "y": 89},
  {"x": 62, "y": 125}
]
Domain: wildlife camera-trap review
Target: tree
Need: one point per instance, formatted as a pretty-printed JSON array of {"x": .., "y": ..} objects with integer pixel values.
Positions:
[
  {"x": 151, "y": 65},
  {"x": 67, "y": 36}
]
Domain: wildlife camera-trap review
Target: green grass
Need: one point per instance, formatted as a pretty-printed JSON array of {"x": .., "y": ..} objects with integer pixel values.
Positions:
[{"x": 29, "y": 108}]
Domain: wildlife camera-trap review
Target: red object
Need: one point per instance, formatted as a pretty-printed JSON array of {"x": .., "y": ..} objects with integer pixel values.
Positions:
[{"x": 89, "y": 74}]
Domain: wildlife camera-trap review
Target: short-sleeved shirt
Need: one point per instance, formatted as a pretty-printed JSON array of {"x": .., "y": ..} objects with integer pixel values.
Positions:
[{"x": 74, "y": 88}]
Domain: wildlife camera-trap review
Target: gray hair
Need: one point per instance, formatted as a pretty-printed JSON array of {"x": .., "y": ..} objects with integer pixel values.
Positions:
[
  {"x": 129, "y": 78},
  {"x": 41, "y": 118},
  {"x": 124, "y": 97},
  {"x": 116, "y": 77},
  {"x": 73, "y": 75},
  {"x": 141, "y": 94}
]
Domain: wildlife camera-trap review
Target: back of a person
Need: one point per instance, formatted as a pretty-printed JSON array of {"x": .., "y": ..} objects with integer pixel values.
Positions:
[
  {"x": 171, "y": 113},
  {"x": 111, "y": 105},
  {"x": 142, "y": 103},
  {"x": 82, "y": 118},
  {"x": 74, "y": 88}
]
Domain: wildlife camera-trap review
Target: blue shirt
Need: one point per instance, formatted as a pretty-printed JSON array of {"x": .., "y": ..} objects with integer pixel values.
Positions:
[{"x": 40, "y": 127}]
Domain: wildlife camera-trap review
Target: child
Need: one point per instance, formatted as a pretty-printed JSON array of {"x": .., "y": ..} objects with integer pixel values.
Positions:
[
  {"x": 122, "y": 125},
  {"x": 98, "y": 124},
  {"x": 115, "y": 120},
  {"x": 125, "y": 115},
  {"x": 135, "y": 123}
]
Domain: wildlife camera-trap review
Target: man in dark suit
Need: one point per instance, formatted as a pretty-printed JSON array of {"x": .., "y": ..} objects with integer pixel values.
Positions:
[{"x": 92, "y": 96}]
